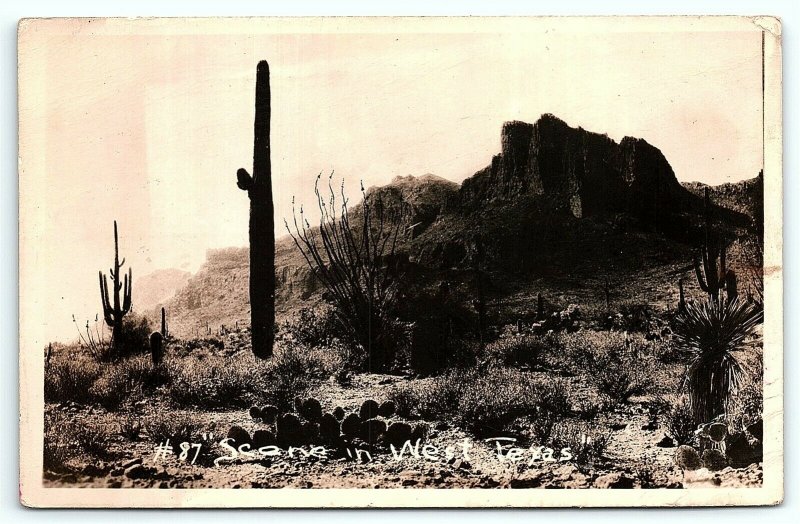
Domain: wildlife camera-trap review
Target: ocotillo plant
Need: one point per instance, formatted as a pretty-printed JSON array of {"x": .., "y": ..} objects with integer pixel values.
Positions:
[
  {"x": 710, "y": 276},
  {"x": 262, "y": 223},
  {"x": 113, "y": 313}
]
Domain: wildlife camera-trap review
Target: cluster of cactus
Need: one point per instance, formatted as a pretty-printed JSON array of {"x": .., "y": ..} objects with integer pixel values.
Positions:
[
  {"x": 718, "y": 448},
  {"x": 309, "y": 425},
  {"x": 116, "y": 307},
  {"x": 710, "y": 265}
]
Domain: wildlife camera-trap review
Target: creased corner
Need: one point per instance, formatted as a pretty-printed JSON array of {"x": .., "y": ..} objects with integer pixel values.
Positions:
[{"x": 770, "y": 24}]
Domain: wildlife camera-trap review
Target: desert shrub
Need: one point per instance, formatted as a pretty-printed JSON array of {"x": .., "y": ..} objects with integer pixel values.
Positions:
[
  {"x": 130, "y": 428},
  {"x": 589, "y": 408},
  {"x": 91, "y": 438},
  {"x": 134, "y": 337},
  {"x": 70, "y": 379},
  {"x": 586, "y": 442},
  {"x": 709, "y": 333},
  {"x": 680, "y": 422},
  {"x": 57, "y": 448},
  {"x": 175, "y": 427},
  {"x": 314, "y": 327},
  {"x": 619, "y": 377},
  {"x": 613, "y": 361},
  {"x": 216, "y": 382},
  {"x": 484, "y": 403},
  {"x": 405, "y": 401},
  {"x": 747, "y": 403},
  {"x": 130, "y": 379},
  {"x": 517, "y": 350}
]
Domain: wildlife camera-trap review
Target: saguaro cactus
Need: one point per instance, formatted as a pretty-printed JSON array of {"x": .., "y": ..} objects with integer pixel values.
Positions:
[
  {"x": 113, "y": 313},
  {"x": 262, "y": 223},
  {"x": 710, "y": 276}
]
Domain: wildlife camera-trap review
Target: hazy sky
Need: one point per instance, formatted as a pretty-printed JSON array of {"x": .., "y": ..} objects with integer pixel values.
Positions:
[{"x": 150, "y": 129}]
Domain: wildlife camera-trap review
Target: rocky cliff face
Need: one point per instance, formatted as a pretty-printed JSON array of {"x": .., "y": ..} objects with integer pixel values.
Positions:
[{"x": 577, "y": 171}]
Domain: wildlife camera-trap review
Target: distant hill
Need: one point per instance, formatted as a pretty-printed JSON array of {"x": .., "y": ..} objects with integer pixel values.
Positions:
[
  {"x": 559, "y": 210},
  {"x": 158, "y": 286}
]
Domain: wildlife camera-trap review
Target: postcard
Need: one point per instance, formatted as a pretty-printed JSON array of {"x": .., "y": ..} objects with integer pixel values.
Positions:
[{"x": 467, "y": 261}]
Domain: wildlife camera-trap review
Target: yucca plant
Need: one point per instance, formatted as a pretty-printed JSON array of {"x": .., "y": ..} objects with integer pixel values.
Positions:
[{"x": 709, "y": 333}]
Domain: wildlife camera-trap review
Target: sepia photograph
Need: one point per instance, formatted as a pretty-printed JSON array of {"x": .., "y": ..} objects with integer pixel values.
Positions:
[{"x": 400, "y": 262}]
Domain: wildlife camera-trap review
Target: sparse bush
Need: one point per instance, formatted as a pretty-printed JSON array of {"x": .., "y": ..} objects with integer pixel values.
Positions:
[
  {"x": 517, "y": 350},
  {"x": 680, "y": 422},
  {"x": 69, "y": 380},
  {"x": 587, "y": 442},
  {"x": 619, "y": 376},
  {"x": 313, "y": 328},
  {"x": 174, "y": 427},
  {"x": 130, "y": 428},
  {"x": 57, "y": 449},
  {"x": 134, "y": 337},
  {"x": 91, "y": 438},
  {"x": 483, "y": 403}
]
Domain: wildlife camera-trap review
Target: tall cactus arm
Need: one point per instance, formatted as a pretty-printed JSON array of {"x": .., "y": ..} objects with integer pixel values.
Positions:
[
  {"x": 108, "y": 311},
  {"x": 698, "y": 272},
  {"x": 127, "y": 292},
  {"x": 243, "y": 180}
]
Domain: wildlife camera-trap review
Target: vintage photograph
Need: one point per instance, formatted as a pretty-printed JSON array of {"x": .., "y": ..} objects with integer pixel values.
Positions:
[{"x": 414, "y": 254}]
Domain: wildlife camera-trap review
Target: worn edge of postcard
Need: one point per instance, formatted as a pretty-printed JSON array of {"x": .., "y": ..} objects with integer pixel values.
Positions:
[{"x": 31, "y": 136}]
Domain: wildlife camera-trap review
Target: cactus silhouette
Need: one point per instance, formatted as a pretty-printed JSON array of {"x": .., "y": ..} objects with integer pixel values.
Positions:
[
  {"x": 262, "y": 223},
  {"x": 710, "y": 276},
  {"x": 113, "y": 312},
  {"x": 164, "y": 332}
]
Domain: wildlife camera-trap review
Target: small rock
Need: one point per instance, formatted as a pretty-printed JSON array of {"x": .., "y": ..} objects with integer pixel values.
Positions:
[
  {"x": 387, "y": 409},
  {"x": 311, "y": 410},
  {"x": 369, "y": 409},
  {"x": 616, "y": 480},
  {"x": 269, "y": 413},
  {"x": 666, "y": 442},
  {"x": 137, "y": 471},
  {"x": 351, "y": 425},
  {"x": 409, "y": 482},
  {"x": 338, "y": 413},
  {"x": 686, "y": 457},
  {"x": 255, "y": 413},
  {"x": 462, "y": 464},
  {"x": 126, "y": 465},
  {"x": 617, "y": 426},
  {"x": 92, "y": 470}
]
